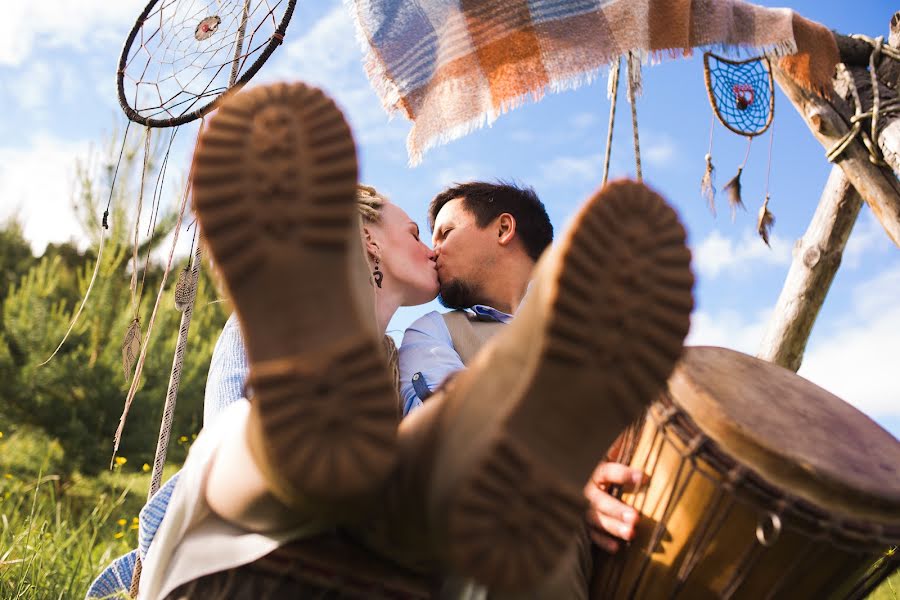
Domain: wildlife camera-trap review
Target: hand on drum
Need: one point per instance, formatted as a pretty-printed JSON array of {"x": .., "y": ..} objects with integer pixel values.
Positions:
[{"x": 609, "y": 520}]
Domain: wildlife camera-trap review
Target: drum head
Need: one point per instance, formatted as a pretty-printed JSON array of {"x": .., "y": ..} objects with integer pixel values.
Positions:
[{"x": 798, "y": 437}]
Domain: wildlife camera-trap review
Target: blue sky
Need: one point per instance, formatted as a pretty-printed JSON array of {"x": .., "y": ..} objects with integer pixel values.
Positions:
[{"x": 57, "y": 66}]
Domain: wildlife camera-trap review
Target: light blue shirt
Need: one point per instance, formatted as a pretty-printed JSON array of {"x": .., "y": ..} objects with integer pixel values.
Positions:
[{"x": 427, "y": 348}]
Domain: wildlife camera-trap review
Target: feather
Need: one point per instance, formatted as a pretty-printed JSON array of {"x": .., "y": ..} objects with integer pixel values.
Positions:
[
  {"x": 184, "y": 288},
  {"x": 707, "y": 185},
  {"x": 733, "y": 187},
  {"x": 765, "y": 222},
  {"x": 131, "y": 347}
]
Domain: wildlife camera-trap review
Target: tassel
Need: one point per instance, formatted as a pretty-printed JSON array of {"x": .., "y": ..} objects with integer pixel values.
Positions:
[
  {"x": 707, "y": 185},
  {"x": 765, "y": 222},
  {"x": 131, "y": 347},
  {"x": 733, "y": 188},
  {"x": 635, "y": 80}
]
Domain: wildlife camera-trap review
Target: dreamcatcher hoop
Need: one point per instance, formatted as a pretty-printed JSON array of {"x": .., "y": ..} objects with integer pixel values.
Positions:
[
  {"x": 741, "y": 87},
  {"x": 206, "y": 27}
]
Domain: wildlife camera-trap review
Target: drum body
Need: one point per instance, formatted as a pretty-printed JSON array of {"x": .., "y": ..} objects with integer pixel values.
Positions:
[{"x": 735, "y": 508}]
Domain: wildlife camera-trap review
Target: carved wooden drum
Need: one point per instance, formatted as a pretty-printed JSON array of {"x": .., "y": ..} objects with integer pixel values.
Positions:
[{"x": 762, "y": 485}]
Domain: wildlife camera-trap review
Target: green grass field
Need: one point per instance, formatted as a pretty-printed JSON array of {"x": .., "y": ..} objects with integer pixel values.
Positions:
[{"x": 56, "y": 536}]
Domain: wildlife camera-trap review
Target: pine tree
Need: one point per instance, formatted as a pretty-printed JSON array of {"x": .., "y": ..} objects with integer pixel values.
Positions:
[{"x": 78, "y": 396}]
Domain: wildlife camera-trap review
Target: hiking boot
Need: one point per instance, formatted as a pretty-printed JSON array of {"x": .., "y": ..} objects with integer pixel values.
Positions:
[
  {"x": 274, "y": 188},
  {"x": 521, "y": 430}
]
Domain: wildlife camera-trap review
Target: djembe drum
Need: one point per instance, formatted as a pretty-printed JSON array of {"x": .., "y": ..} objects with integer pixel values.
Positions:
[{"x": 762, "y": 485}]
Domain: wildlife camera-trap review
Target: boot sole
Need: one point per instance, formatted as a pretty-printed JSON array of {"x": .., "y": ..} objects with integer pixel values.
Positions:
[
  {"x": 596, "y": 343},
  {"x": 274, "y": 188}
]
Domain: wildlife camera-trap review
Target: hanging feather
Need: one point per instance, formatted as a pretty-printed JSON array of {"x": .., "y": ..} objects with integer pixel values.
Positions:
[
  {"x": 131, "y": 347},
  {"x": 765, "y": 222},
  {"x": 184, "y": 288},
  {"x": 707, "y": 185},
  {"x": 733, "y": 187}
]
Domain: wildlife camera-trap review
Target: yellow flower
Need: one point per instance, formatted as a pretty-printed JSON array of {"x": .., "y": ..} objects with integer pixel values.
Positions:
[
  {"x": 121, "y": 460},
  {"x": 145, "y": 468},
  {"x": 133, "y": 527},
  {"x": 183, "y": 439},
  {"x": 121, "y": 522},
  {"x": 8, "y": 476},
  {"x": 1, "y": 434},
  {"x": 134, "y": 520},
  {"x": 119, "y": 535}
]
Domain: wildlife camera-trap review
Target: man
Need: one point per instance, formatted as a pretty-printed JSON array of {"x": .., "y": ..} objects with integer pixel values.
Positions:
[{"x": 487, "y": 238}]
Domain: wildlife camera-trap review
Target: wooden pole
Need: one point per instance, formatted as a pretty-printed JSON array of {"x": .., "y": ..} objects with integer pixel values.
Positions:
[
  {"x": 817, "y": 256},
  {"x": 828, "y": 121}
]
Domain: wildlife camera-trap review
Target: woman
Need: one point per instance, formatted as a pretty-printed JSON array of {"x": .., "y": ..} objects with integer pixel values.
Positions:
[{"x": 330, "y": 293}]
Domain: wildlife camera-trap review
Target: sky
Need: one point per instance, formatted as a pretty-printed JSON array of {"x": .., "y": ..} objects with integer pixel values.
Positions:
[{"x": 57, "y": 89}]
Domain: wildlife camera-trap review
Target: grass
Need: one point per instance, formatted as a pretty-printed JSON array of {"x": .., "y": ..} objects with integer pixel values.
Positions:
[{"x": 56, "y": 536}]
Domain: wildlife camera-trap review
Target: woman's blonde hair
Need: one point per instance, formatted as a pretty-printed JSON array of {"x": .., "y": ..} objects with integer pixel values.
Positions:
[{"x": 370, "y": 203}]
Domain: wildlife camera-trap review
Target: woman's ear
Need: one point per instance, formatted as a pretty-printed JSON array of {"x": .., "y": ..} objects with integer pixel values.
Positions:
[
  {"x": 373, "y": 250},
  {"x": 506, "y": 228}
]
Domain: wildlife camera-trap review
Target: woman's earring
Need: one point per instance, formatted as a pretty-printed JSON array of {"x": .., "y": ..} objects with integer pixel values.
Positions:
[{"x": 377, "y": 274}]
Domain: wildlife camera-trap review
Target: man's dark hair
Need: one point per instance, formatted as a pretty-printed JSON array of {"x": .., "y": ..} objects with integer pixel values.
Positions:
[{"x": 487, "y": 201}]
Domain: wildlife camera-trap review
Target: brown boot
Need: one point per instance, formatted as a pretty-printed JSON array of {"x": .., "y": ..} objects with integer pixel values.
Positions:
[
  {"x": 523, "y": 427},
  {"x": 274, "y": 188}
]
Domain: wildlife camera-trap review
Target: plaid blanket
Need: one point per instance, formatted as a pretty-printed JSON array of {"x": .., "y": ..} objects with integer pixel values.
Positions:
[{"x": 451, "y": 66}]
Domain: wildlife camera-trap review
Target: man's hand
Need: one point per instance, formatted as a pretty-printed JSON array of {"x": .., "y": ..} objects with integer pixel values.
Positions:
[{"x": 609, "y": 520}]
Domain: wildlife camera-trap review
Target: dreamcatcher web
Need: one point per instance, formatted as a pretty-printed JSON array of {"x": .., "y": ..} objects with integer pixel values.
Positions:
[
  {"x": 740, "y": 93},
  {"x": 182, "y": 55},
  {"x": 742, "y": 97}
]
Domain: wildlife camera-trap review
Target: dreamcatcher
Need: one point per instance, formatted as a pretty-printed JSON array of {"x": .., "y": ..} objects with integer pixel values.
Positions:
[
  {"x": 181, "y": 59},
  {"x": 742, "y": 97}
]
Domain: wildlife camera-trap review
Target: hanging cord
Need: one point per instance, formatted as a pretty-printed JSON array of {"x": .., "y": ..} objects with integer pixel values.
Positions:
[
  {"x": 708, "y": 184},
  {"x": 634, "y": 90},
  {"x": 613, "y": 94},
  {"x": 140, "y": 363},
  {"x": 733, "y": 187},
  {"x": 766, "y": 219},
  {"x": 878, "y": 109},
  {"x": 157, "y": 198},
  {"x": 104, "y": 225},
  {"x": 137, "y": 224}
]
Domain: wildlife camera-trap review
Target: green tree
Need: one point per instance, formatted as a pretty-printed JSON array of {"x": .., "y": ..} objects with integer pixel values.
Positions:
[
  {"x": 78, "y": 396},
  {"x": 15, "y": 255}
]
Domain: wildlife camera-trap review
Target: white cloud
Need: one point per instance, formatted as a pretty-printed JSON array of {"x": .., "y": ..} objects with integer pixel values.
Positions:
[
  {"x": 868, "y": 238},
  {"x": 43, "y": 85},
  {"x": 583, "y": 120},
  {"x": 523, "y": 136},
  {"x": 728, "y": 329},
  {"x": 717, "y": 254},
  {"x": 858, "y": 361},
  {"x": 62, "y": 23},
  {"x": 568, "y": 169},
  {"x": 33, "y": 87},
  {"x": 460, "y": 173},
  {"x": 328, "y": 56},
  {"x": 658, "y": 150},
  {"x": 36, "y": 184}
]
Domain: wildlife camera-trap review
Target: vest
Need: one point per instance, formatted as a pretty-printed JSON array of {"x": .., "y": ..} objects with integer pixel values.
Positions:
[{"x": 469, "y": 332}]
